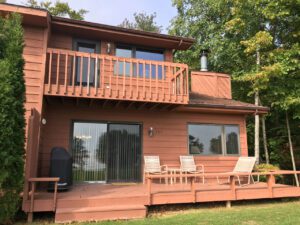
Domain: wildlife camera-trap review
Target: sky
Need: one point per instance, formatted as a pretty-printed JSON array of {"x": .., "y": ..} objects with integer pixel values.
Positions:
[{"x": 113, "y": 12}]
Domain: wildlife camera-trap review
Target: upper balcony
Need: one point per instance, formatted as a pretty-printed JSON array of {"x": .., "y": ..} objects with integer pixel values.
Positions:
[{"x": 89, "y": 75}]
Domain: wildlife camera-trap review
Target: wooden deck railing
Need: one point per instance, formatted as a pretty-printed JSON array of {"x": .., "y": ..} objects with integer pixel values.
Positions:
[
  {"x": 33, "y": 182},
  {"x": 235, "y": 192},
  {"x": 79, "y": 74}
]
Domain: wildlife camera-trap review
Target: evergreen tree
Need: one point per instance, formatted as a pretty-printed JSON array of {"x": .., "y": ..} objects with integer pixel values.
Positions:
[
  {"x": 12, "y": 122},
  {"x": 60, "y": 8},
  {"x": 142, "y": 21}
]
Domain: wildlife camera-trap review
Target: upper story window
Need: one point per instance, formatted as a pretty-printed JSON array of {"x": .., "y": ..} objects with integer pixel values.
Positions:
[
  {"x": 82, "y": 73},
  {"x": 140, "y": 69},
  {"x": 214, "y": 139}
]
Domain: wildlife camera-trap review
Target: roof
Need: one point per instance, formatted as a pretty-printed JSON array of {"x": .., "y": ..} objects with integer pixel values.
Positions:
[
  {"x": 199, "y": 100},
  {"x": 98, "y": 30}
]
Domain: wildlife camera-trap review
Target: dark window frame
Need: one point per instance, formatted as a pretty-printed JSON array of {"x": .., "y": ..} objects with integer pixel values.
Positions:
[
  {"x": 223, "y": 139},
  {"x": 75, "y": 45},
  {"x": 134, "y": 48}
]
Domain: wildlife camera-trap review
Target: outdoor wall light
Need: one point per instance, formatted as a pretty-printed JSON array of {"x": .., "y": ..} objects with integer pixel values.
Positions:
[
  {"x": 44, "y": 121},
  {"x": 108, "y": 49},
  {"x": 151, "y": 131}
]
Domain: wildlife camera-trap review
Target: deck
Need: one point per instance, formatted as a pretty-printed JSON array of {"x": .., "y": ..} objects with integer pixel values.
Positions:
[
  {"x": 126, "y": 201},
  {"x": 97, "y": 76}
]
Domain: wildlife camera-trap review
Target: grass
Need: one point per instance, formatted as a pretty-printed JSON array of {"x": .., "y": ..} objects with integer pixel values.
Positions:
[{"x": 245, "y": 213}]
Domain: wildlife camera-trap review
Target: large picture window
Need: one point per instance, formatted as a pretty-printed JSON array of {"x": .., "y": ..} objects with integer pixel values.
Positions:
[{"x": 213, "y": 139}]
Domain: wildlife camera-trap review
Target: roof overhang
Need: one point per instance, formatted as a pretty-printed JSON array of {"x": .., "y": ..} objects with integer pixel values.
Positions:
[
  {"x": 30, "y": 16},
  {"x": 119, "y": 34},
  {"x": 84, "y": 29}
]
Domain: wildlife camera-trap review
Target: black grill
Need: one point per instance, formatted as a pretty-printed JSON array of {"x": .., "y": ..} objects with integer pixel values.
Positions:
[{"x": 61, "y": 166}]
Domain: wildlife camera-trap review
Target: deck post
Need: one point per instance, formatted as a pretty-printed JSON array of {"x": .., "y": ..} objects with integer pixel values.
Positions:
[
  {"x": 149, "y": 181},
  {"x": 30, "y": 217},
  {"x": 232, "y": 186},
  {"x": 228, "y": 204},
  {"x": 193, "y": 189},
  {"x": 270, "y": 182}
]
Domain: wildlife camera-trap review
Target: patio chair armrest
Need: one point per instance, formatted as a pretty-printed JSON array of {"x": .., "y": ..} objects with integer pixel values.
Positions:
[{"x": 200, "y": 166}]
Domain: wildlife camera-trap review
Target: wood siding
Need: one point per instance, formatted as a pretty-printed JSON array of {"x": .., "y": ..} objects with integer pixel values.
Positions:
[
  {"x": 211, "y": 84},
  {"x": 33, "y": 53},
  {"x": 169, "y": 141}
]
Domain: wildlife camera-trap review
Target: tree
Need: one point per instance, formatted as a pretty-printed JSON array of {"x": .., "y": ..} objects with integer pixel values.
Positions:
[
  {"x": 12, "y": 122},
  {"x": 257, "y": 42},
  {"x": 58, "y": 9},
  {"x": 142, "y": 21}
]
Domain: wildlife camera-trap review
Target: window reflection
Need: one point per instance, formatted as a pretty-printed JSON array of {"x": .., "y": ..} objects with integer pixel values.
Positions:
[
  {"x": 88, "y": 150},
  {"x": 141, "y": 70},
  {"x": 232, "y": 139},
  {"x": 207, "y": 139}
]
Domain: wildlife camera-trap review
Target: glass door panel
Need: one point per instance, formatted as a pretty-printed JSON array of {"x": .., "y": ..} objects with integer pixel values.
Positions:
[
  {"x": 89, "y": 152},
  {"x": 124, "y": 153}
]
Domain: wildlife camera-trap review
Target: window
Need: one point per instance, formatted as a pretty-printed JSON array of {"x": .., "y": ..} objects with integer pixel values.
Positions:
[
  {"x": 213, "y": 139},
  {"x": 140, "y": 69},
  {"x": 88, "y": 47}
]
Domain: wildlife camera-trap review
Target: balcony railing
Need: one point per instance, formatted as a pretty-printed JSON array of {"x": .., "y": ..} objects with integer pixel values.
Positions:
[{"x": 79, "y": 74}]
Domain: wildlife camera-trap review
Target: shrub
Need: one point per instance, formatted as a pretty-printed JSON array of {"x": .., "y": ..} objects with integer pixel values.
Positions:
[
  {"x": 267, "y": 168},
  {"x": 12, "y": 122}
]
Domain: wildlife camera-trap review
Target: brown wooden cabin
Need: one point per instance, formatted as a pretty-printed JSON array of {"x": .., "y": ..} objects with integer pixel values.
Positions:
[{"x": 110, "y": 96}]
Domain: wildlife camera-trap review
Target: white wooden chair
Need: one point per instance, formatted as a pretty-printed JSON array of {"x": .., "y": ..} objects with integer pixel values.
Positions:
[
  {"x": 152, "y": 166},
  {"x": 243, "y": 165},
  {"x": 187, "y": 165}
]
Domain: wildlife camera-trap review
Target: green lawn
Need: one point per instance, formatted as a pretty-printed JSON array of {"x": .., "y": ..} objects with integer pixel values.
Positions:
[{"x": 272, "y": 213}]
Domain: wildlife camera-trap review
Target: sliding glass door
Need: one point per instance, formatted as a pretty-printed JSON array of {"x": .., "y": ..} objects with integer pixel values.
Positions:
[
  {"x": 89, "y": 151},
  {"x": 106, "y": 152},
  {"x": 124, "y": 153}
]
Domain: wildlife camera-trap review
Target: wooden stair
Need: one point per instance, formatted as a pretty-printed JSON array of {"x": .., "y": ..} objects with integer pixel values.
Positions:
[{"x": 97, "y": 209}]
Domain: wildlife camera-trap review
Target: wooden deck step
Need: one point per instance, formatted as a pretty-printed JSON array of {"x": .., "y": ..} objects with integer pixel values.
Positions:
[
  {"x": 101, "y": 202},
  {"x": 66, "y": 215}
]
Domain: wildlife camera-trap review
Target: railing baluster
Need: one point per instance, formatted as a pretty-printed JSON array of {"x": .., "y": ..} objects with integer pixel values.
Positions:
[
  {"x": 137, "y": 79},
  {"x": 88, "y": 75},
  {"x": 102, "y": 75},
  {"x": 66, "y": 73},
  {"x": 163, "y": 79},
  {"x": 124, "y": 76},
  {"x": 170, "y": 83},
  {"x": 144, "y": 79},
  {"x": 181, "y": 85},
  {"x": 111, "y": 72},
  {"x": 57, "y": 72},
  {"x": 131, "y": 74},
  {"x": 50, "y": 71},
  {"x": 73, "y": 75},
  {"x": 150, "y": 77},
  {"x": 157, "y": 92},
  {"x": 81, "y": 72},
  {"x": 117, "y": 77},
  {"x": 96, "y": 75}
]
